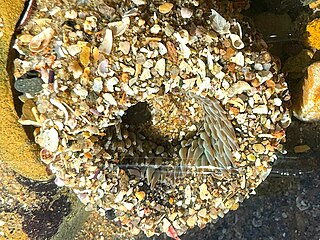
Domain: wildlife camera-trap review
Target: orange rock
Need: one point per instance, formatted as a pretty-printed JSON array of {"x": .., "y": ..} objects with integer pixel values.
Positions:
[
  {"x": 313, "y": 30},
  {"x": 306, "y": 103}
]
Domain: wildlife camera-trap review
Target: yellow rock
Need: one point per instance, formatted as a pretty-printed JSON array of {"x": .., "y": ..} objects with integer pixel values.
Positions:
[
  {"x": 15, "y": 149},
  {"x": 313, "y": 30},
  {"x": 165, "y": 8},
  {"x": 306, "y": 98}
]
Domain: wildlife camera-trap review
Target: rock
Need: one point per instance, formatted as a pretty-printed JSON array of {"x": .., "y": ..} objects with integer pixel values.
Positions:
[
  {"x": 313, "y": 28},
  {"x": 28, "y": 85},
  {"x": 306, "y": 100}
]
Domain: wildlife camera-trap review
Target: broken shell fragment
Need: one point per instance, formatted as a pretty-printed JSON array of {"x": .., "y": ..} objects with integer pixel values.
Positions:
[
  {"x": 49, "y": 139},
  {"x": 118, "y": 28},
  {"x": 106, "y": 44},
  {"x": 39, "y": 42},
  {"x": 236, "y": 41},
  {"x": 219, "y": 23}
]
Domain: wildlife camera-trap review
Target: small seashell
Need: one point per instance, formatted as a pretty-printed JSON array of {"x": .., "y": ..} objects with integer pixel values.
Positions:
[
  {"x": 90, "y": 24},
  {"x": 186, "y": 12},
  {"x": 238, "y": 59},
  {"x": 118, "y": 28},
  {"x": 124, "y": 47},
  {"x": 236, "y": 41},
  {"x": 106, "y": 44},
  {"x": 238, "y": 88},
  {"x": 139, "y": 2},
  {"x": 110, "y": 83},
  {"x": 49, "y": 139},
  {"x": 155, "y": 29},
  {"x": 204, "y": 193},
  {"x": 261, "y": 109},
  {"x": 165, "y": 8},
  {"x": 97, "y": 85},
  {"x": 219, "y": 23},
  {"x": 110, "y": 99},
  {"x": 145, "y": 74},
  {"x": 187, "y": 195},
  {"x": 76, "y": 69},
  {"x": 103, "y": 68},
  {"x": 160, "y": 66},
  {"x": 39, "y": 42}
]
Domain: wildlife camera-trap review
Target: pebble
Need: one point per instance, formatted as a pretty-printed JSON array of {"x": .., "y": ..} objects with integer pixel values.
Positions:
[
  {"x": 187, "y": 195},
  {"x": 306, "y": 103},
  {"x": 140, "y": 195},
  {"x": 204, "y": 193},
  {"x": 259, "y": 148},
  {"x": 28, "y": 85},
  {"x": 186, "y": 13},
  {"x": 301, "y": 148},
  {"x": 165, "y": 8}
]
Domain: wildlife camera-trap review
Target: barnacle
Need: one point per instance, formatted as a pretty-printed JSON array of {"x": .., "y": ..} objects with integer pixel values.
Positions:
[{"x": 190, "y": 115}]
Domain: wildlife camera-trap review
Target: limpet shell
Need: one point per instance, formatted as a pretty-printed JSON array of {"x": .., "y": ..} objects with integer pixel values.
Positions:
[{"x": 39, "y": 42}]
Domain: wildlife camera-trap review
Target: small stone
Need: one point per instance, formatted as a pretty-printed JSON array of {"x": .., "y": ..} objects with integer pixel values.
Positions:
[
  {"x": 301, "y": 149},
  {"x": 124, "y": 47},
  {"x": 120, "y": 196},
  {"x": 128, "y": 206},
  {"x": 173, "y": 216},
  {"x": 110, "y": 99},
  {"x": 97, "y": 85},
  {"x": 191, "y": 221},
  {"x": 251, "y": 157},
  {"x": 155, "y": 29},
  {"x": 204, "y": 193},
  {"x": 306, "y": 101},
  {"x": 259, "y": 148},
  {"x": 202, "y": 213},
  {"x": 262, "y": 109},
  {"x": 160, "y": 66},
  {"x": 85, "y": 56},
  {"x": 277, "y": 102},
  {"x": 159, "y": 150},
  {"x": 186, "y": 12},
  {"x": 140, "y": 195},
  {"x": 139, "y": 2},
  {"x": 28, "y": 85},
  {"x": 187, "y": 195},
  {"x": 165, "y": 8}
]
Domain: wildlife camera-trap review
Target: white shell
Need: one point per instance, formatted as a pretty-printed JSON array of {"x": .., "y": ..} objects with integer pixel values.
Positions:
[
  {"x": 106, "y": 44},
  {"x": 39, "y": 42},
  {"x": 119, "y": 27},
  {"x": 219, "y": 23},
  {"x": 103, "y": 68},
  {"x": 236, "y": 41},
  {"x": 50, "y": 139}
]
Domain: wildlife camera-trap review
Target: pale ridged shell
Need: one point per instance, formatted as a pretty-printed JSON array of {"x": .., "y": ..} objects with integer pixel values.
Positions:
[{"x": 39, "y": 42}]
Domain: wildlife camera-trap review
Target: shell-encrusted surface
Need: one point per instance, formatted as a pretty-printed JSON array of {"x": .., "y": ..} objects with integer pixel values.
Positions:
[{"x": 161, "y": 113}]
